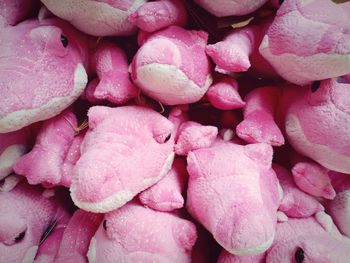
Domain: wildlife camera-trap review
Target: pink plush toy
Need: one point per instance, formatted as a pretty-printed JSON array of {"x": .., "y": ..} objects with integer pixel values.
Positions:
[
  {"x": 166, "y": 195},
  {"x": 39, "y": 87},
  {"x": 315, "y": 121},
  {"x": 134, "y": 233},
  {"x": 15, "y": 11},
  {"x": 300, "y": 240},
  {"x": 233, "y": 192},
  {"x": 31, "y": 222},
  {"x": 230, "y": 7},
  {"x": 55, "y": 152},
  {"x": 126, "y": 150},
  {"x": 171, "y": 66}
]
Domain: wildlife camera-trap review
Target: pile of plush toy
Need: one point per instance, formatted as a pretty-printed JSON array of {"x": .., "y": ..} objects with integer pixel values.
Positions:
[{"x": 174, "y": 131}]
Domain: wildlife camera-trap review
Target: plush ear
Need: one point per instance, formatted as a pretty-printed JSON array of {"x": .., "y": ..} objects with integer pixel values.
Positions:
[
  {"x": 261, "y": 152},
  {"x": 97, "y": 114},
  {"x": 185, "y": 234}
]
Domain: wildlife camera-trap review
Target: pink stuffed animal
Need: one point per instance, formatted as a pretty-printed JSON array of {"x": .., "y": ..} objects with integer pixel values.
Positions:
[
  {"x": 15, "y": 11},
  {"x": 126, "y": 150},
  {"x": 30, "y": 223},
  {"x": 233, "y": 192},
  {"x": 315, "y": 120},
  {"x": 46, "y": 46},
  {"x": 171, "y": 66},
  {"x": 134, "y": 233}
]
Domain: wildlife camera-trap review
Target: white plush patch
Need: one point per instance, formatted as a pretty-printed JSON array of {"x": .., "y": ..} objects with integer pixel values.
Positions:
[
  {"x": 120, "y": 198},
  {"x": 304, "y": 70},
  {"x": 340, "y": 211},
  {"x": 10, "y": 182},
  {"x": 30, "y": 255},
  {"x": 320, "y": 153},
  {"x": 166, "y": 83},
  {"x": 19, "y": 119},
  {"x": 9, "y": 157},
  {"x": 91, "y": 254},
  {"x": 48, "y": 193}
]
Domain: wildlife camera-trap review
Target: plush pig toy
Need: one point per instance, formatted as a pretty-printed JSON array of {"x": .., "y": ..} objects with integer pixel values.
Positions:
[
  {"x": 134, "y": 233},
  {"x": 171, "y": 66},
  {"x": 31, "y": 221},
  {"x": 298, "y": 241},
  {"x": 34, "y": 83},
  {"x": 234, "y": 193},
  {"x": 126, "y": 150},
  {"x": 315, "y": 120}
]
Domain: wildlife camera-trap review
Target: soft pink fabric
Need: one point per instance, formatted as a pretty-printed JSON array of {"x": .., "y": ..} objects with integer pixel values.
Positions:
[
  {"x": 15, "y": 11},
  {"x": 233, "y": 192},
  {"x": 126, "y": 150},
  {"x": 166, "y": 195},
  {"x": 46, "y": 162},
  {"x": 313, "y": 179},
  {"x": 177, "y": 57},
  {"x": 26, "y": 214},
  {"x": 134, "y": 233},
  {"x": 32, "y": 74},
  {"x": 224, "y": 95},
  {"x": 98, "y": 17},
  {"x": 111, "y": 67},
  {"x": 295, "y": 203},
  {"x": 153, "y": 16}
]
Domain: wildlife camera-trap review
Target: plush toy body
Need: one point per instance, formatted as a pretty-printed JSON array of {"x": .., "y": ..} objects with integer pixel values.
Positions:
[
  {"x": 134, "y": 233},
  {"x": 34, "y": 85},
  {"x": 171, "y": 66},
  {"x": 228, "y": 183},
  {"x": 126, "y": 150}
]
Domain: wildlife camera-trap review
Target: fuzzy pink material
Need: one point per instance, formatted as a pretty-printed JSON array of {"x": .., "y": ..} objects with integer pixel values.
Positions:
[
  {"x": 315, "y": 120},
  {"x": 224, "y": 95},
  {"x": 77, "y": 236},
  {"x": 295, "y": 203},
  {"x": 15, "y": 11},
  {"x": 25, "y": 214},
  {"x": 305, "y": 43},
  {"x": 134, "y": 233},
  {"x": 166, "y": 195},
  {"x": 171, "y": 66},
  {"x": 54, "y": 154},
  {"x": 230, "y": 182},
  {"x": 34, "y": 84},
  {"x": 126, "y": 150},
  {"x": 97, "y": 17},
  {"x": 156, "y": 15},
  {"x": 230, "y": 7},
  {"x": 313, "y": 179},
  {"x": 113, "y": 81}
]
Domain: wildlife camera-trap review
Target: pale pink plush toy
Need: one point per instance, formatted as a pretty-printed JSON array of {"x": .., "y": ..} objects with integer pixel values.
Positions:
[
  {"x": 39, "y": 87},
  {"x": 56, "y": 150},
  {"x": 15, "y": 11},
  {"x": 77, "y": 236},
  {"x": 234, "y": 193},
  {"x": 32, "y": 223},
  {"x": 118, "y": 18},
  {"x": 301, "y": 240},
  {"x": 166, "y": 195},
  {"x": 315, "y": 120},
  {"x": 126, "y": 150},
  {"x": 230, "y": 7},
  {"x": 135, "y": 233},
  {"x": 171, "y": 66}
]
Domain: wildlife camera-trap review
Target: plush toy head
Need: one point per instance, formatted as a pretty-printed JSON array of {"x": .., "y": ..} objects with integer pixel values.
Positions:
[
  {"x": 317, "y": 122},
  {"x": 126, "y": 150},
  {"x": 305, "y": 43},
  {"x": 96, "y": 17},
  {"x": 233, "y": 192},
  {"x": 172, "y": 67},
  {"x": 46, "y": 64},
  {"x": 135, "y": 233}
]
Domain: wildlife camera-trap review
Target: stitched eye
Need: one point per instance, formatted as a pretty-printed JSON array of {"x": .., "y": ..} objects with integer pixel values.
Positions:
[
  {"x": 315, "y": 86},
  {"x": 167, "y": 138},
  {"x": 64, "y": 40},
  {"x": 104, "y": 224},
  {"x": 20, "y": 236},
  {"x": 299, "y": 255}
]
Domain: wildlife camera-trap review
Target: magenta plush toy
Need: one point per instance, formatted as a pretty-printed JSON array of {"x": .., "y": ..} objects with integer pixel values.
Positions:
[
  {"x": 234, "y": 193},
  {"x": 126, "y": 150},
  {"x": 134, "y": 233}
]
